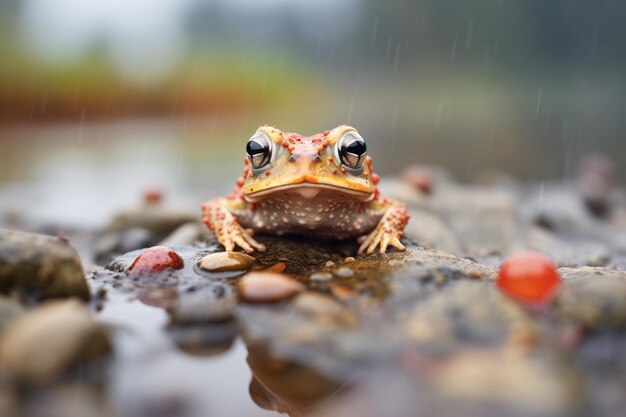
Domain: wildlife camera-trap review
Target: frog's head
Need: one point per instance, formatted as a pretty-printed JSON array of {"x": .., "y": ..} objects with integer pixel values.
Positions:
[{"x": 333, "y": 161}]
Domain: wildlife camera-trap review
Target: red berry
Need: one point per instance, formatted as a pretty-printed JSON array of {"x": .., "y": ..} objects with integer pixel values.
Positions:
[
  {"x": 529, "y": 276},
  {"x": 156, "y": 258}
]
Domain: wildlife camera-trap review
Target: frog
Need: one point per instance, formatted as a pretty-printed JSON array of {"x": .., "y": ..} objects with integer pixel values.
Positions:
[{"x": 321, "y": 186}]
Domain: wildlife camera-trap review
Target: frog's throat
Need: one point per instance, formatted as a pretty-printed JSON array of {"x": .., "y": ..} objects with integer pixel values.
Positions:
[{"x": 308, "y": 191}]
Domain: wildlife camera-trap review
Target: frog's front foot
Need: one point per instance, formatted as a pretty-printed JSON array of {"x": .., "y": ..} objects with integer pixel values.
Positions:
[
  {"x": 387, "y": 233},
  {"x": 227, "y": 229}
]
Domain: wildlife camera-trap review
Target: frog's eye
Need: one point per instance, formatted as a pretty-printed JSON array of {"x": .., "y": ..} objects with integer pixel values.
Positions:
[
  {"x": 351, "y": 149},
  {"x": 259, "y": 149}
]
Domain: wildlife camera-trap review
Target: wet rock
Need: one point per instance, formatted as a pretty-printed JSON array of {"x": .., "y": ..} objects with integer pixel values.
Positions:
[
  {"x": 558, "y": 209},
  {"x": 226, "y": 262},
  {"x": 553, "y": 388},
  {"x": 186, "y": 234},
  {"x": 208, "y": 305},
  {"x": 428, "y": 229},
  {"x": 484, "y": 219},
  {"x": 159, "y": 219},
  {"x": 116, "y": 243},
  {"x": 50, "y": 340},
  {"x": 267, "y": 287},
  {"x": 597, "y": 178},
  {"x": 317, "y": 304},
  {"x": 416, "y": 259},
  {"x": 154, "y": 259},
  {"x": 593, "y": 297},
  {"x": 465, "y": 312},
  {"x": 39, "y": 266},
  {"x": 566, "y": 251},
  {"x": 325, "y": 310}
]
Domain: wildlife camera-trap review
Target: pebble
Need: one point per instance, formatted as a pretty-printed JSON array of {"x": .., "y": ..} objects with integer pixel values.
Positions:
[
  {"x": 159, "y": 219},
  {"x": 529, "y": 277},
  {"x": 40, "y": 266},
  {"x": 315, "y": 303},
  {"x": 329, "y": 264},
  {"x": 154, "y": 259},
  {"x": 184, "y": 235},
  {"x": 267, "y": 287},
  {"x": 321, "y": 276},
  {"x": 277, "y": 267},
  {"x": 419, "y": 177},
  {"x": 46, "y": 342},
  {"x": 203, "y": 306},
  {"x": 226, "y": 262},
  {"x": 349, "y": 259},
  {"x": 344, "y": 272}
]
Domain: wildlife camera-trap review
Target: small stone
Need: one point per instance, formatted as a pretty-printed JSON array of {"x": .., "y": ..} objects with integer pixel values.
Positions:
[
  {"x": 154, "y": 259},
  {"x": 267, "y": 287},
  {"x": 529, "y": 276},
  {"x": 329, "y": 264},
  {"x": 184, "y": 235},
  {"x": 277, "y": 267},
  {"x": 205, "y": 306},
  {"x": 344, "y": 272},
  {"x": 321, "y": 276},
  {"x": 348, "y": 260},
  {"x": 44, "y": 343},
  {"x": 420, "y": 178},
  {"x": 159, "y": 219},
  {"x": 315, "y": 303},
  {"x": 40, "y": 266},
  {"x": 226, "y": 262}
]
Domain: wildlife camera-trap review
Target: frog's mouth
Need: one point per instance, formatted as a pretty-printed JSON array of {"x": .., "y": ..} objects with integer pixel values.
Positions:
[{"x": 309, "y": 192}]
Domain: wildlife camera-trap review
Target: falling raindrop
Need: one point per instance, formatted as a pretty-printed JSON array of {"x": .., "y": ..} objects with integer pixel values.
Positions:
[
  {"x": 350, "y": 107},
  {"x": 455, "y": 41},
  {"x": 395, "y": 62},
  {"x": 470, "y": 33},
  {"x": 374, "y": 31},
  {"x": 539, "y": 97},
  {"x": 440, "y": 109}
]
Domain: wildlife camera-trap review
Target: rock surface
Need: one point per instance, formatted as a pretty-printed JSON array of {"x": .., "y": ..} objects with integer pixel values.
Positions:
[
  {"x": 38, "y": 267},
  {"x": 43, "y": 344}
]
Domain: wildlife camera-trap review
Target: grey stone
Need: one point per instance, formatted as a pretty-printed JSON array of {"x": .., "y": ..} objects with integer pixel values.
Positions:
[{"x": 39, "y": 266}]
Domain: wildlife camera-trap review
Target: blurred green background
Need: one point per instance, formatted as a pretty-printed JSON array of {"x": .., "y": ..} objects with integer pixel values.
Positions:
[{"x": 112, "y": 95}]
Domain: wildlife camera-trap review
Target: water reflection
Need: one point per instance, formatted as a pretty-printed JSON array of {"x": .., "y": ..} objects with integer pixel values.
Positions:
[{"x": 285, "y": 386}]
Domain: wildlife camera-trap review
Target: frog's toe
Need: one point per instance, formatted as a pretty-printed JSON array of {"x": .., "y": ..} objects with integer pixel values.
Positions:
[
  {"x": 228, "y": 244},
  {"x": 384, "y": 242},
  {"x": 395, "y": 242},
  {"x": 365, "y": 243},
  {"x": 256, "y": 245},
  {"x": 241, "y": 242}
]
